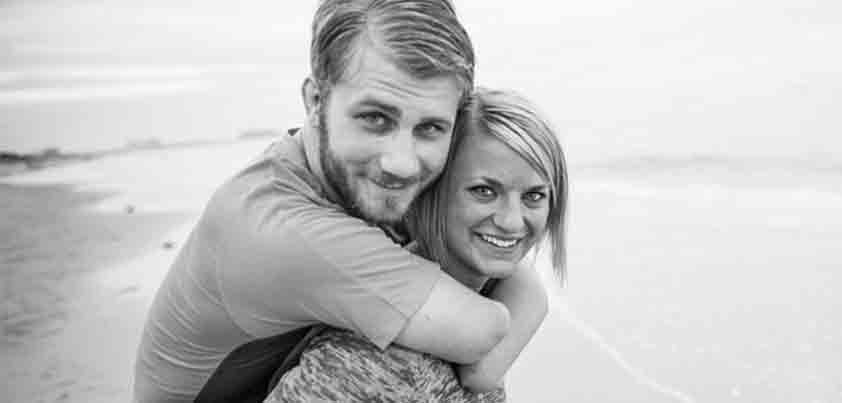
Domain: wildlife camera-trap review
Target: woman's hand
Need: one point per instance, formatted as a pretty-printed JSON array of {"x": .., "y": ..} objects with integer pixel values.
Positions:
[{"x": 526, "y": 299}]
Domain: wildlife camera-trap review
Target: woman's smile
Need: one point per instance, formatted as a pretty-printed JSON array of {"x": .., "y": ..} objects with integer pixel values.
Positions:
[
  {"x": 497, "y": 207},
  {"x": 500, "y": 242}
]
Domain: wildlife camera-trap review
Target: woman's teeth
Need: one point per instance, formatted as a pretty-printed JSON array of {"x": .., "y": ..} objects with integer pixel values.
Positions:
[{"x": 500, "y": 243}]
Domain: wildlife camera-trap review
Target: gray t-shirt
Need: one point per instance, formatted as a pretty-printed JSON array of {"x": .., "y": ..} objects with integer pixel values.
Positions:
[{"x": 271, "y": 253}]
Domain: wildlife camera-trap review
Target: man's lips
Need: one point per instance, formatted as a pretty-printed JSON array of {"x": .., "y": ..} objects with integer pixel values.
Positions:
[
  {"x": 390, "y": 181},
  {"x": 394, "y": 184}
]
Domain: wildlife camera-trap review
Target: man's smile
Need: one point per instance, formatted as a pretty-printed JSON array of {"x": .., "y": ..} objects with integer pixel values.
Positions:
[{"x": 394, "y": 184}]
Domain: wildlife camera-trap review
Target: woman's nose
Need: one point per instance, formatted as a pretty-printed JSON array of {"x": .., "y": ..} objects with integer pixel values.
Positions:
[{"x": 509, "y": 217}]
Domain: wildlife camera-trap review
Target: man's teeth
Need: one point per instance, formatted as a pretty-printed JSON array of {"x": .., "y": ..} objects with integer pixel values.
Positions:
[
  {"x": 395, "y": 185},
  {"x": 500, "y": 243}
]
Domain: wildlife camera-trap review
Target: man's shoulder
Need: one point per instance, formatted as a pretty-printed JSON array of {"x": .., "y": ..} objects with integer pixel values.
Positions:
[
  {"x": 280, "y": 171},
  {"x": 283, "y": 161},
  {"x": 276, "y": 186}
]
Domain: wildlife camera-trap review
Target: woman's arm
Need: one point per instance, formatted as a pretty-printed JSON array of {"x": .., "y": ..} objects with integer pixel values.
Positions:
[
  {"x": 526, "y": 299},
  {"x": 338, "y": 365}
]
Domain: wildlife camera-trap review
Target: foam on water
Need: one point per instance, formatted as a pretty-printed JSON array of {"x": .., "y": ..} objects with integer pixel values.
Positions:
[{"x": 636, "y": 372}]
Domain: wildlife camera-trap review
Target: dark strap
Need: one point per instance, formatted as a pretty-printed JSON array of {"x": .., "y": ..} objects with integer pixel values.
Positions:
[
  {"x": 489, "y": 287},
  {"x": 294, "y": 356},
  {"x": 245, "y": 373}
]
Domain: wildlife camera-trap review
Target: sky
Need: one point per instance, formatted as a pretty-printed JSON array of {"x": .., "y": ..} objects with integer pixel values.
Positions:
[{"x": 617, "y": 77}]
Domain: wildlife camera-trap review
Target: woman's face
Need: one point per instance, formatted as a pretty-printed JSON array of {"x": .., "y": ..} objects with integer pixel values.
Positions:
[{"x": 497, "y": 207}]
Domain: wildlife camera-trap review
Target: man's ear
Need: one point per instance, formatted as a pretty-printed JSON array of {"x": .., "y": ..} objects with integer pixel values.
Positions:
[{"x": 312, "y": 98}]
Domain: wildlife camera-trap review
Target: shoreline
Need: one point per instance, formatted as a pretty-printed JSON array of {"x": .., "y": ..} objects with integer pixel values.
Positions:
[{"x": 15, "y": 163}]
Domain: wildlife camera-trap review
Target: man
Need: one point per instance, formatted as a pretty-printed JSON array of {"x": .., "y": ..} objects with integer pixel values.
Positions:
[{"x": 292, "y": 240}]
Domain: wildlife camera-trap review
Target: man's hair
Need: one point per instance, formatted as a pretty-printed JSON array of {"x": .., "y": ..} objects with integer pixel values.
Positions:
[
  {"x": 422, "y": 37},
  {"x": 514, "y": 121}
]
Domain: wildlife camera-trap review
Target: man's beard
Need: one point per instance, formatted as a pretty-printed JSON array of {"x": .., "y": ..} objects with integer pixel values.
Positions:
[{"x": 338, "y": 178}]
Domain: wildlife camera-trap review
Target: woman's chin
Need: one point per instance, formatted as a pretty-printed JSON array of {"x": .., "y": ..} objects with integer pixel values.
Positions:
[{"x": 497, "y": 268}]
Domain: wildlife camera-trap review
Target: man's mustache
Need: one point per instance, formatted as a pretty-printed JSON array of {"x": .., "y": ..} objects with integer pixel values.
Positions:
[{"x": 392, "y": 181}]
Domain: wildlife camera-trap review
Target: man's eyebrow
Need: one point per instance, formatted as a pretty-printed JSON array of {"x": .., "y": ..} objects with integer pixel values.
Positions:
[
  {"x": 491, "y": 181},
  {"x": 389, "y": 109}
]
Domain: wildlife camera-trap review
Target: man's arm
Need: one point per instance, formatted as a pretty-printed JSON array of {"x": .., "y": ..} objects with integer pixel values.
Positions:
[
  {"x": 456, "y": 323},
  {"x": 283, "y": 262},
  {"x": 526, "y": 299}
]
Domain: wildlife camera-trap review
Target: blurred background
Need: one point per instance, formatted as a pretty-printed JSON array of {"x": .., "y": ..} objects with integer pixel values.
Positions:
[
  {"x": 705, "y": 150},
  {"x": 624, "y": 78}
]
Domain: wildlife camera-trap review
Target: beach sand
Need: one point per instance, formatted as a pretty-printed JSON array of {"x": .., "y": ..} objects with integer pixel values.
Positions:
[
  {"x": 51, "y": 310},
  {"x": 84, "y": 247},
  {"x": 681, "y": 289}
]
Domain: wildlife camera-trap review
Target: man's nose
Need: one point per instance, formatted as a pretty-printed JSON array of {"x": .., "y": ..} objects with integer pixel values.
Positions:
[
  {"x": 509, "y": 216},
  {"x": 400, "y": 158}
]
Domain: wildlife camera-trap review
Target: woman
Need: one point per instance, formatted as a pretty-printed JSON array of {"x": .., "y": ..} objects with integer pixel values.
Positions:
[{"x": 503, "y": 192}]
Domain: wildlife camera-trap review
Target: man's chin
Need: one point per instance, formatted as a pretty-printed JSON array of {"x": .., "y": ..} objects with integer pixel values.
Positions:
[
  {"x": 383, "y": 215},
  {"x": 382, "y": 211}
]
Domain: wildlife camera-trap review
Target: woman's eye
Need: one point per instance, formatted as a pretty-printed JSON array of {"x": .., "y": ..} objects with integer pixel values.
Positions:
[
  {"x": 534, "y": 197},
  {"x": 482, "y": 192}
]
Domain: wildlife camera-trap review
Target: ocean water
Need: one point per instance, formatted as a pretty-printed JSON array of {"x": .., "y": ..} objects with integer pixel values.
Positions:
[{"x": 619, "y": 79}]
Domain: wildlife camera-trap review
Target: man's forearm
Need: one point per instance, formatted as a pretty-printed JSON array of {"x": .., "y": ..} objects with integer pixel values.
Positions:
[
  {"x": 439, "y": 326},
  {"x": 526, "y": 299}
]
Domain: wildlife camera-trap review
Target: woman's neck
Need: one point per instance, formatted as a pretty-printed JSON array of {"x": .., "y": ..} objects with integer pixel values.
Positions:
[{"x": 467, "y": 276}]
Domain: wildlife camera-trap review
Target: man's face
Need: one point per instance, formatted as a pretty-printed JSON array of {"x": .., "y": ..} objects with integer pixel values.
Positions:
[{"x": 385, "y": 135}]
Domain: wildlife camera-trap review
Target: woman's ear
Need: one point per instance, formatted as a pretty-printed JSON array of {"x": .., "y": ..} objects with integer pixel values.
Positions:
[{"x": 312, "y": 98}]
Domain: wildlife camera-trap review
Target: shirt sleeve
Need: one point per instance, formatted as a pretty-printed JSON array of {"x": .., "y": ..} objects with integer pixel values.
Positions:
[
  {"x": 286, "y": 261},
  {"x": 340, "y": 366}
]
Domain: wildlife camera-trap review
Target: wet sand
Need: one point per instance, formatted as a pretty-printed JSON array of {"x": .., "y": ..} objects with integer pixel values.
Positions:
[{"x": 51, "y": 245}]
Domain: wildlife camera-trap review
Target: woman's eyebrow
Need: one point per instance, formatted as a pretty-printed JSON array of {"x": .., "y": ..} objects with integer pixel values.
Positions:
[{"x": 492, "y": 181}]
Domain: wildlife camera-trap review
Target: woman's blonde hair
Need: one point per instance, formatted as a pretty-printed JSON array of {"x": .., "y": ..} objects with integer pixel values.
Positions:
[{"x": 513, "y": 120}]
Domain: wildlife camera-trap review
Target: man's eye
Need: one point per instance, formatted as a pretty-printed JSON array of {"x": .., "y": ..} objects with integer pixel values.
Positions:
[
  {"x": 482, "y": 192},
  {"x": 430, "y": 130},
  {"x": 374, "y": 120}
]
